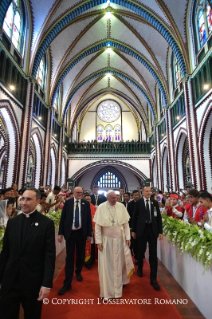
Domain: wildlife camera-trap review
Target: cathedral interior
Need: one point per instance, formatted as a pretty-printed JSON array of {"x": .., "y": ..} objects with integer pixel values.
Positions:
[
  {"x": 106, "y": 92},
  {"x": 112, "y": 93}
]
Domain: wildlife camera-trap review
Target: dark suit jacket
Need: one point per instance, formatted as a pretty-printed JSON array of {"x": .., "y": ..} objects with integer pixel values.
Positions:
[
  {"x": 66, "y": 220},
  {"x": 35, "y": 260},
  {"x": 101, "y": 199},
  {"x": 131, "y": 208},
  {"x": 139, "y": 218}
]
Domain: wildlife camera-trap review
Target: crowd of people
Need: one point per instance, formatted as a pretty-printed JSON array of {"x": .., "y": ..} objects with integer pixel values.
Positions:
[
  {"x": 192, "y": 206},
  {"x": 109, "y": 140},
  {"x": 117, "y": 226}
]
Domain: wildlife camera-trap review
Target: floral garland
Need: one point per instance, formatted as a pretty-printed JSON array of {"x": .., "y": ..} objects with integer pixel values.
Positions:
[
  {"x": 189, "y": 238},
  {"x": 55, "y": 217}
]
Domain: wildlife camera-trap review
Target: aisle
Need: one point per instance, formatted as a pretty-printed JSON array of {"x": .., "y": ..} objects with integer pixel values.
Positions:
[{"x": 136, "y": 292}]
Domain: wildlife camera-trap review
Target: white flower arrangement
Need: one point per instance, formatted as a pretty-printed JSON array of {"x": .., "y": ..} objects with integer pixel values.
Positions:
[{"x": 189, "y": 238}]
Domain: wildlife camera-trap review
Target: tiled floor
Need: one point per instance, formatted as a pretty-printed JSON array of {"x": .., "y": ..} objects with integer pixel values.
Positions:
[{"x": 188, "y": 311}]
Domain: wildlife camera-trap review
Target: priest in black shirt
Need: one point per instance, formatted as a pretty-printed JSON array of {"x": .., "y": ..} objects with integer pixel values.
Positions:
[{"x": 27, "y": 260}]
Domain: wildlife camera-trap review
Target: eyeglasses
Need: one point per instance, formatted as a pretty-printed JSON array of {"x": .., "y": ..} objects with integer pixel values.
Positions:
[{"x": 78, "y": 192}]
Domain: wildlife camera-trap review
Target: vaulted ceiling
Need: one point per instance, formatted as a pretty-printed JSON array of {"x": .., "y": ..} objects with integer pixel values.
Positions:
[{"x": 117, "y": 46}]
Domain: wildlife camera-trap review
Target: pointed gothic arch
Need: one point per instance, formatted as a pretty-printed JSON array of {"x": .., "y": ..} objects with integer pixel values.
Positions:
[
  {"x": 10, "y": 132},
  {"x": 38, "y": 146},
  {"x": 114, "y": 171},
  {"x": 182, "y": 158},
  {"x": 205, "y": 136}
]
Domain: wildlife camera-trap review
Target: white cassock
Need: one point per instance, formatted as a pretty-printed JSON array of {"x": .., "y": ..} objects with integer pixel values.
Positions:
[{"x": 115, "y": 263}]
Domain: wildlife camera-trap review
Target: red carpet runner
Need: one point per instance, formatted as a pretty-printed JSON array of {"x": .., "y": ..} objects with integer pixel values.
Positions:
[{"x": 135, "y": 293}]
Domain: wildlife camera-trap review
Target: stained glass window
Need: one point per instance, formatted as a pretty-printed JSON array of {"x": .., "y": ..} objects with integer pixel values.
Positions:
[
  {"x": 41, "y": 72},
  {"x": 16, "y": 30},
  {"x": 117, "y": 133},
  {"x": 177, "y": 71},
  {"x": 209, "y": 16},
  {"x": 13, "y": 23},
  {"x": 204, "y": 20},
  {"x": 109, "y": 131},
  {"x": 109, "y": 180},
  {"x": 8, "y": 20},
  {"x": 201, "y": 28},
  {"x": 100, "y": 131},
  {"x": 108, "y": 111},
  {"x": 56, "y": 101}
]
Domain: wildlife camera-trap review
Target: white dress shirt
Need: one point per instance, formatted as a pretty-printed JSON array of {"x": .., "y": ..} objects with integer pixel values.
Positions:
[
  {"x": 80, "y": 219},
  {"x": 145, "y": 199}
]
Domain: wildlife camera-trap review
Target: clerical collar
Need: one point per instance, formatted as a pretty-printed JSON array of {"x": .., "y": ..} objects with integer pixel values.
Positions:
[{"x": 28, "y": 215}]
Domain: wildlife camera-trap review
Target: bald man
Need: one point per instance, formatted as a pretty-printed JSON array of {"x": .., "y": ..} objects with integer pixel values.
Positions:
[{"x": 76, "y": 228}]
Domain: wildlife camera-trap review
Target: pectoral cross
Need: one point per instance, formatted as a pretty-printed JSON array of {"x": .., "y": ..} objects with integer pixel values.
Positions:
[{"x": 113, "y": 222}]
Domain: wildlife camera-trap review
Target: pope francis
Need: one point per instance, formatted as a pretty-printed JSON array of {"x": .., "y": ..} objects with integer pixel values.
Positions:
[{"x": 112, "y": 234}]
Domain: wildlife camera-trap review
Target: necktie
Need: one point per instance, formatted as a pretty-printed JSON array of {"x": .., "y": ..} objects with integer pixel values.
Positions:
[
  {"x": 148, "y": 212},
  {"x": 76, "y": 224}
]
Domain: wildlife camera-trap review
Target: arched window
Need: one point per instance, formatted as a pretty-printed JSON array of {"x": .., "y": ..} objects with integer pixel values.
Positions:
[
  {"x": 109, "y": 180},
  {"x": 109, "y": 131},
  {"x": 204, "y": 20},
  {"x": 57, "y": 101},
  {"x": 176, "y": 72},
  {"x": 41, "y": 72},
  {"x": 117, "y": 133},
  {"x": 100, "y": 131},
  {"x": 13, "y": 24}
]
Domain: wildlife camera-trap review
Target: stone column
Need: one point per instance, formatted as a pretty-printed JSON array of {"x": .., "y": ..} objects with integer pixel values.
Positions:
[
  {"x": 158, "y": 158},
  {"x": 26, "y": 133},
  {"x": 47, "y": 145},
  {"x": 171, "y": 150},
  {"x": 191, "y": 122}
]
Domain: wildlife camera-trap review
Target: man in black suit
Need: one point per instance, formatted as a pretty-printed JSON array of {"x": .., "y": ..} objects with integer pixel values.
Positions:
[
  {"x": 131, "y": 208},
  {"x": 126, "y": 200},
  {"x": 147, "y": 227},
  {"x": 97, "y": 199},
  {"x": 27, "y": 260},
  {"x": 75, "y": 227},
  {"x": 121, "y": 192}
]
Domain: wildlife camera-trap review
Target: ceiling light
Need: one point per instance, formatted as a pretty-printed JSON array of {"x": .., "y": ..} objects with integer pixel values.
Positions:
[
  {"x": 55, "y": 135},
  {"x": 12, "y": 87},
  {"x": 108, "y": 75},
  {"x": 206, "y": 86},
  {"x": 177, "y": 117},
  {"x": 40, "y": 118},
  {"x": 153, "y": 145},
  {"x": 108, "y": 15}
]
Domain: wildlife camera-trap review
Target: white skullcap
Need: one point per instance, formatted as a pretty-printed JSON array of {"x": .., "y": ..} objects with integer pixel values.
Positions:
[{"x": 109, "y": 192}]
